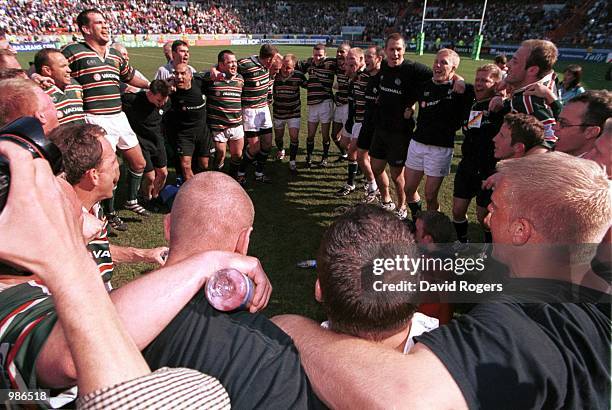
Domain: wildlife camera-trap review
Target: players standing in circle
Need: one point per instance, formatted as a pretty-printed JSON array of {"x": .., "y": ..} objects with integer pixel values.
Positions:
[
  {"x": 287, "y": 107},
  {"x": 225, "y": 110},
  {"x": 321, "y": 71},
  {"x": 373, "y": 58},
  {"x": 180, "y": 55},
  {"x": 66, "y": 93},
  {"x": 144, "y": 110},
  {"x": 341, "y": 102},
  {"x": 256, "y": 118},
  {"x": 441, "y": 113},
  {"x": 186, "y": 125},
  {"x": 100, "y": 70},
  {"x": 477, "y": 161},
  {"x": 355, "y": 66},
  {"x": 393, "y": 131}
]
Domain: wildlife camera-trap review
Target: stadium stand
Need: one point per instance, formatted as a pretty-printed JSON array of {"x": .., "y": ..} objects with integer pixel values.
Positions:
[{"x": 570, "y": 23}]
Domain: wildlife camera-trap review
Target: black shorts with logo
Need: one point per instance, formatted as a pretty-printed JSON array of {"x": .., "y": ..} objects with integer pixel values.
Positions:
[
  {"x": 194, "y": 145},
  {"x": 468, "y": 184},
  {"x": 154, "y": 153}
]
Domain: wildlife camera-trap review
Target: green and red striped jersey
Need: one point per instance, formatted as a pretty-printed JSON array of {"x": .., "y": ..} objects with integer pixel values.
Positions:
[
  {"x": 256, "y": 78},
  {"x": 320, "y": 79},
  {"x": 223, "y": 99},
  {"x": 99, "y": 77},
  {"x": 68, "y": 103},
  {"x": 287, "y": 103}
]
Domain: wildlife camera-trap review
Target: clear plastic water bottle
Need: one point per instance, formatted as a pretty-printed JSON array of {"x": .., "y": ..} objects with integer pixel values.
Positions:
[
  {"x": 307, "y": 264},
  {"x": 229, "y": 289}
]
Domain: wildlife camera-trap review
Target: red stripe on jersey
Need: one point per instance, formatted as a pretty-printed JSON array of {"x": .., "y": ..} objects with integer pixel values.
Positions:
[{"x": 528, "y": 105}]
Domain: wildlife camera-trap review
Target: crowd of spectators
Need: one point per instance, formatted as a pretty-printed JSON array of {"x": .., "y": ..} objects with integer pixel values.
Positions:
[{"x": 504, "y": 22}]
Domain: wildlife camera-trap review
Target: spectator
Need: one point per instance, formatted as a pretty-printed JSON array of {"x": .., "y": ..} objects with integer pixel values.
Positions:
[{"x": 570, "y": 87}]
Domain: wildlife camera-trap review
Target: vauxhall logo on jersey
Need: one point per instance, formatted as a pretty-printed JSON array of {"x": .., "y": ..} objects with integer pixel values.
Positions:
[{"x": 100, "y": 253}]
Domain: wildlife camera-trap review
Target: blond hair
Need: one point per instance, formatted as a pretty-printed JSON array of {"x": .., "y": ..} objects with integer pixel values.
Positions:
[
  {"x": 453, "y": 55},
  {"x": 567, "y": 199},
  {"x": 493, "y": 70}
]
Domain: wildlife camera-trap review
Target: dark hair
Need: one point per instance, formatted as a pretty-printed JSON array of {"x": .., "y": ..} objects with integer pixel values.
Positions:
[
  {"x": 319, "y": 46},
  {"x": 501, "y": 59},
  {"x": 394, "y": 37},
  {"x": 42, "y": 58},
  {"x": 80, "y": 147},
  {"x": 543, "y": 54},
  {"x": 525, "y": 129},
  {"x": 177, "y": 43},
  {"x": 598, "y": 106},
  {"x": 437, "y": 225},
  {"x": 576, "y": 71},
  {"x": 346, "y": 265},
  {"x": 379, "y": 50},
  {"x": 6, "y": 73},
  {"x": 221, "y": 55},
  {"x": 160, "y": 87},
  {"x": 267, "y": 51},
  {"x": 83, "y": 17}
]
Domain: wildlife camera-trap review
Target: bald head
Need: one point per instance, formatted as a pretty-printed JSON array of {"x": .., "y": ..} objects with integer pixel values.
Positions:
[{"x": 210, "y": 212}]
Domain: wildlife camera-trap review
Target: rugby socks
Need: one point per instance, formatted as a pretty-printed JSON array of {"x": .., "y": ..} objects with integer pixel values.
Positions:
[
  {"x": 326, "y": 149},
  {"x": 352, "y": 170},
  {"x": 109, "y": 204},
  {"x": 415, "y": 208},
  {"x": 488, "y": 238},
  {"x": 134, "y": 180},
  {"x": 293, "y": 150},
  {"x": 279, "y": 144},
  {"x": 461, "y": 227},
  {"x": 309, "y": 148},
  {"x": 372, "y": 186},
  {"x": 261, "y": 157},
  {"x": 244, "y": 164},
  {"x": 234, "y": 166}
]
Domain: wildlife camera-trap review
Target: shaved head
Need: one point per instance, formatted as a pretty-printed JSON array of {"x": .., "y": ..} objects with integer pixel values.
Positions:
[{"x": 210, "y": 212}]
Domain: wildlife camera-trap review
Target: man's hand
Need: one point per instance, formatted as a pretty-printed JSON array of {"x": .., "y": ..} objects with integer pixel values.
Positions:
[
  {"x": 490, "y": 182},
  {"x": 458, "y": 84},
  {"x": 216, "y": 75},
  {"x": 542, "y": 91},
  {"x": 408, "y": 113},
  {"x": 217, "y": 260},
  {"x": 42, "y": 81},
  {"x": 156, "y": 255},
  {"x": 496, "y": 104}
]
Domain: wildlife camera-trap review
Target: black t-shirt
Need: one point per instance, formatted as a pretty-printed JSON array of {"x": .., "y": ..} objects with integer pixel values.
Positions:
[
  {"x": 441, "y": 112},
  {"x": 145, "y": 118},
  {"x": 479, "y": 128},
  {"x": 187, "y": 116},
  {"x": 519, "y": 355},
  {"x": 397, "y": 92},
  {"x": 371, "y": 107}
]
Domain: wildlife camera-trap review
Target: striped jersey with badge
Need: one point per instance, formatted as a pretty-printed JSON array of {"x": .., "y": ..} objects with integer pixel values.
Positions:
[
  {"x": 287, "y": 103},
  {"x": 27, "y": 316},
  {"x": 68, "y": 103},
  {"x": 100, "y": 247},
  {"x": 342, "y": 93},
  {"x": 223, "y": 99},
  {"x": 99, "y": 77},
  {"x": 320, "y": 79},
  {"x": 357, "y": 91},
  {"x": 256, "y": 78}
]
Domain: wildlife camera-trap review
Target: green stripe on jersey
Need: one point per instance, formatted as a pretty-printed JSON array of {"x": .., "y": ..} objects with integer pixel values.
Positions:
[
  {"x": 342, "y": 92},
  {"x": 99, "y": 77},
  {"x": 357, "y": 90},
  {"x": 256, "y": 79},
  {"x": 68, "y": 103},
  {"x": 320, "y": 79},
  {"x": 223, "y": 99},
  {"x": 286, "y": 95}
]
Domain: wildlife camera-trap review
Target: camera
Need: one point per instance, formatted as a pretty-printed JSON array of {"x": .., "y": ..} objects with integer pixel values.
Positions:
[{"x": 27, "y": 132}]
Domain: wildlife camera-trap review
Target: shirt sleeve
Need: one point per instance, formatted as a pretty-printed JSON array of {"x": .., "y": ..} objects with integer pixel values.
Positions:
[{"x": 126, "y": 71}]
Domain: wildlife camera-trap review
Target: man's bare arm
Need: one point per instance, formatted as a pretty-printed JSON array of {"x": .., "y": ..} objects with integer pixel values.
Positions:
[
  {"x": 128, "y": 254},
  {"x": 353, "y": 373}
]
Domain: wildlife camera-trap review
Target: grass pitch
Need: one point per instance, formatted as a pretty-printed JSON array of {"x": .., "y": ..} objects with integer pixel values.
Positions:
[{"x": 292, "y": 213}]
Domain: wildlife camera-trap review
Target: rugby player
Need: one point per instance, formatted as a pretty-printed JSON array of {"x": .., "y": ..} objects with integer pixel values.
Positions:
[
  {"x": 477, "y": 161},
  {"x": 355, "y": 65},
  {"x": 186, "y": 125},
  {"x": 532, "y": 63},
  {"x": 373, "y": 58},
  {"x": 256, "y": 118},
  {"x": 392, "y": 132},
  {"x": 179, "y": 55},
  {"x": 341, "y": 108},
  {"x": 144, "y": 111},
  {"x": 224, "y": 111},
  {"x": 287, "y": 107},
  {"x": 100, "y": 70},
  {"x": 519, "y": 135},
  {"x": 66, "y": 92},
  {"x": 441, "y": 112},
  {"x": 319, "y": 96}
]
